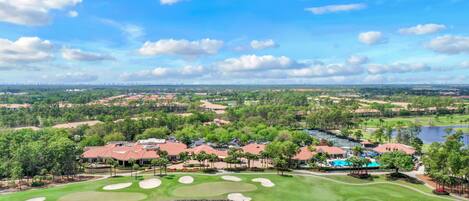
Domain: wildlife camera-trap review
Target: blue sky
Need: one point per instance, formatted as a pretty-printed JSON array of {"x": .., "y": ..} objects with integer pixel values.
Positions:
[{"x": 234, "y": 41}]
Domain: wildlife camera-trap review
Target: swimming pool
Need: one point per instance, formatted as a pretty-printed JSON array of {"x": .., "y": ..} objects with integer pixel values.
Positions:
[{"x": 344, "y": 163}]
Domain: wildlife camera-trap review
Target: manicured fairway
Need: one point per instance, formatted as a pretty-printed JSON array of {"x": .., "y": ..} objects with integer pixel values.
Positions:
[
  {"x": 85, "y": 196},
  {"x": 213, "y": 189},
  {"x": 446, "y": 120},
  {"x": 295, "y": 188}
]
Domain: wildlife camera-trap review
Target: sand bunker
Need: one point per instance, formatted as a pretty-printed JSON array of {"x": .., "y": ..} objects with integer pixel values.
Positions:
[
  {"x": 231, "y": 178},
  {"x": 37, "y": 199},
  {"x": 264, "y": 182},
  {"x": 149, "y": 183},
  {"x": 186, "y": 180},
  {"x": 238, "y": 197},
  {"x": 117, "y": 186}
]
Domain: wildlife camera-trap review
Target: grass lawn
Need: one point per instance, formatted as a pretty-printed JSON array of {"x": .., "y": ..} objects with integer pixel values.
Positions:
[
  {"x": 446, "y": 120},
  {"x": 213, "y": 187}
]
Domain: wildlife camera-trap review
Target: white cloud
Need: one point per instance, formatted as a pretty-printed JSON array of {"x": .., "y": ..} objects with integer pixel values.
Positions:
[
  {"x": 336, "y": 8},
  {"x": 371, "y": 37},
  {"x": 263, "y": 44},
  {"x": 181, "y": 47},
  {"x": 31, "y": 12},
  {"x": 25, "y": 49},
  {"x": 327, "y": 71},
  {"x": 73, "y": 13},
  {"x": 357, "y": 60},
  {"x": 79, "y": 55},
  {"x": 465, "y": 64},
  {"x": 449, "y": 44},
  {"x": 254, "y": 62},
  {"x": 169, "y": 2},
  {"x": 422, "y": 29},
  {"x": 132, "y": 31},
  {"x": 138, "y": 76},
  {"x": 397, "y": 68},
  {"x": 165, "y": 73},
  {"x": 73, "y": 77}
]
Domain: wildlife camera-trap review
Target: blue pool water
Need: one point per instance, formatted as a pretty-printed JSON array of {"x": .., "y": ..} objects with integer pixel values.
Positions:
[{"x": 344, "y": 163}]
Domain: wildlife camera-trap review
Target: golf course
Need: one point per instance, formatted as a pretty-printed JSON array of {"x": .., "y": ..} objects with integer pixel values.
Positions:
[
  {"x": 245, "y": 186},
  {"x": 429, "y": 120}
]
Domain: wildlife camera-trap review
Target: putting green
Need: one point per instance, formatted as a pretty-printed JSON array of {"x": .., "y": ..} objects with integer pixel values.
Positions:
[
  {"x": 103, "y": 196},
  {"x": 213, "y": 189}
]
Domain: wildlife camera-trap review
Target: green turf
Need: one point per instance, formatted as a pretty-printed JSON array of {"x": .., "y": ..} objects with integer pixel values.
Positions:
[
  {"x": 297, "y": 188},
  {"x": 432, "y": 120},
  {"x": 213, "y": 189},
  {"x": 114, "y": 196}
]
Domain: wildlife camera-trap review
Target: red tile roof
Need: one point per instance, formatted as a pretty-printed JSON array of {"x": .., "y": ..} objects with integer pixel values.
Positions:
[
  {"x": 132, "y": 151},
  {"x": 330, "y": 150},
  {"x": 383, "y": 148},
  {"x": 209, "y": 150},
  {"x": 173, "y": 148},
  {"x": 254, "y": 148},
  {"x": 304, "y": 154}
]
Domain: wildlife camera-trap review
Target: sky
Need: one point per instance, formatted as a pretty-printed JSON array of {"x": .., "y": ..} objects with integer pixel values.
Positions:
[{"x": 234, "y": 42}]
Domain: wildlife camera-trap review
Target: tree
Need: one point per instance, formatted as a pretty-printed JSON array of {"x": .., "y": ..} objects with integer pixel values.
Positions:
[
  {"x": 357, "y": 150},
  {"x": 201, "y": 157},
  {"x": 280, "y": 164},
  {"x": 131, "y": 162},
  {"x": 358, "y": 134},
  {"x": 396, "y": 160},
  {"x": 378, "y": 134},
  {"x": 136, "y": 167},
  {"x": 154, "y": 163},
  {"x": 388, "y": 133},
  {"x": 159, "y": 133},
  {"x": 212, "y": 158},
  {"x": 112, "y": 165},
  {"x": 250, "y": 157},
  {"x": 113, "y": 137},
  {"x": 184, "y": 156},
  {"x": 17, "y": 173}
]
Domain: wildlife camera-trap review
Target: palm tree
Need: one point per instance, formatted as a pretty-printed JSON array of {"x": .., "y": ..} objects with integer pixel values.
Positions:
[
  {"x": 136, "y": 167},
  {"x": 212, "y": 158},
  {"x": 264, "y": 158},
  {"x": 201, "y": 157},
  {"x": 132, "y": 162},
  {"x": 154, "y": 163},
  {"x": 250, "y": 157},
  {"x": 357, "y": 150},
  {"x": 184, "y": 156},
  {"x": 112, "y": 165}
]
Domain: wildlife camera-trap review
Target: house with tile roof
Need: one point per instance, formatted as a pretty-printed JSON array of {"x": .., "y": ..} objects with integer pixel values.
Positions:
[{"x": 390, "y": 147}]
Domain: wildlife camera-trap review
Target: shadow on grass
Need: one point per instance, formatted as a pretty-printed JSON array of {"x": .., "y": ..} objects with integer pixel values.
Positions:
[
  {"x": 399, "y": 176},
  {"x": 139, "y": 178},
  {"x": 364, "y": 177}
]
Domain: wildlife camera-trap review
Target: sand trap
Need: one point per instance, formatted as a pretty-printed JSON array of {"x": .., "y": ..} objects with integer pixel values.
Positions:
[
  {"x": 117, "y": 186},
  {"x": 149, "y": 183},
  {"x": 238, "y": 197},
  {"x": 186, "y": 180},
  {"x": 37, "y": 199},
  {"x": 231, "y": 178},
  {"x": 264, "y": 182}
]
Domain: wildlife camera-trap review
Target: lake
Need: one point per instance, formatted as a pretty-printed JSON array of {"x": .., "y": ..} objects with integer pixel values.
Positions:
[
  {"x": 336, "y": 141},
  {"x": 431, "y": 134}
]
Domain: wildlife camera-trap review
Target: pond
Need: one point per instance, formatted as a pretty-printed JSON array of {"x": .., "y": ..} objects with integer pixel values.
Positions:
[
  {"x": 336, "y": 141},
  {"x": 431, "y": 134}
]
